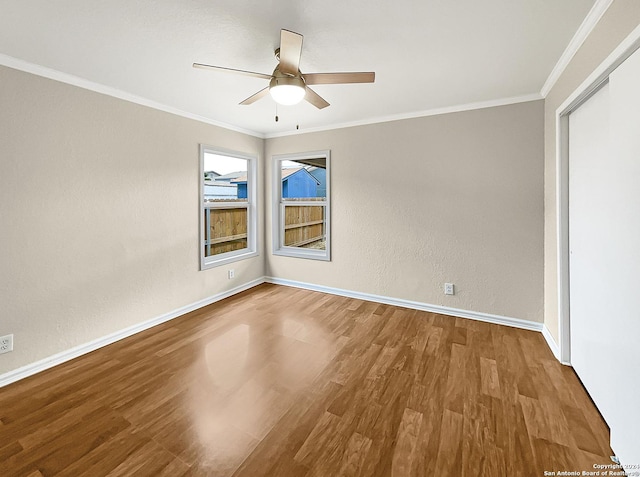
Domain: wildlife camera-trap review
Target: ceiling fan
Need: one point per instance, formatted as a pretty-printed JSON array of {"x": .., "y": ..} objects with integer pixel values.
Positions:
[{"x": 287, "y": 84}]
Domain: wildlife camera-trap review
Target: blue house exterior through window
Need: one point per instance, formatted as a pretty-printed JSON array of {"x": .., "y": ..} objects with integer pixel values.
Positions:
[
  {"x": 320, "y": 175},
  {"x": 241, "y": 182},
  {"x": 296, "y": 183},
  {"x": 242, "y": 190}
]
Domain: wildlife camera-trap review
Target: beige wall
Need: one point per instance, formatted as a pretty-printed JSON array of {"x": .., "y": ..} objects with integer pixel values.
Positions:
[
  {"x": 99, "y": 212},
  {"x": 618, "y": 21},
  {"x": 417, "y": 203},
  {"x": 98, "y": 215}
]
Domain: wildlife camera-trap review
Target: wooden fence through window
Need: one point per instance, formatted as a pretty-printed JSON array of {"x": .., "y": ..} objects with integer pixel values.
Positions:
[
  {"x": 225, "y": 230},
  {"x": 303, "y": 224}
]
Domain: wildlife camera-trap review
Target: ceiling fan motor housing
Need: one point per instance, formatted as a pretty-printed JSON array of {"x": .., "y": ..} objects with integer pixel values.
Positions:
[{"x": 280, "y": 79}]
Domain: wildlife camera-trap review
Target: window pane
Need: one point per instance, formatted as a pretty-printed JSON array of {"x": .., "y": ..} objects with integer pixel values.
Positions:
[
  {"x": 304, "y": 226},
  {"x": 304, "y": 179},
  {"x": 225, "y": 178},
  {"x": 225, "y": 230},
  {"x": 301, "y": 205},
  {"x": 227, "y": 189}
]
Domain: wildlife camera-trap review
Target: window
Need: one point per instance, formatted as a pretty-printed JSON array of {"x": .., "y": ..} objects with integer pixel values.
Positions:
[
  {"x": 301, "y": 225},
  {"x": 228, "y": 219}
]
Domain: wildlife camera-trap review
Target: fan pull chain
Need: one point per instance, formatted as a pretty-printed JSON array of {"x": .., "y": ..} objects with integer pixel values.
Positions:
[{"x": 276, "y": 112}]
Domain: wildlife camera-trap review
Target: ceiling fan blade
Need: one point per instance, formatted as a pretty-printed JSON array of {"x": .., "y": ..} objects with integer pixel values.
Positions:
[
  {"x": 231, "y": 70},
  {"x": 255, "y": 97},
  {"x": 290, "y": 50},
  {"x": 339, "y": 78},
  {"x": 315, "y": 99}
]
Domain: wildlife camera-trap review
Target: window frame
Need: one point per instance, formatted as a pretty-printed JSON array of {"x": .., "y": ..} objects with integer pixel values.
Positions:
[
  {"x": 252, "y": 216},
  {"x": 277, "y": 204}
]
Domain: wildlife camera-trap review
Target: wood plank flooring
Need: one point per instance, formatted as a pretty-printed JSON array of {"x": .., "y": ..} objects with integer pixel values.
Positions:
[{"x": 280, "y": 381}]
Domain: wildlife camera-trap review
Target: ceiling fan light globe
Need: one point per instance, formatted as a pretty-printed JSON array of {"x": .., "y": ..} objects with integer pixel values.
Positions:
[{"x": 287, "y": 94}]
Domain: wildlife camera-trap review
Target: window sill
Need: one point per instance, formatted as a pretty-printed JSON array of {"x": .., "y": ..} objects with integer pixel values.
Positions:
[
  {"x": 294, "y": 252},
  {"x": 236, "y": 257}
]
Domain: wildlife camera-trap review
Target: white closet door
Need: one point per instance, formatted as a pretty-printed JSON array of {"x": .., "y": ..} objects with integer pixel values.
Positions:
[
  {"x": 589, "y": 250},
  {"x": 625, "y": 267},
  {"x": 604, "y": 242}
]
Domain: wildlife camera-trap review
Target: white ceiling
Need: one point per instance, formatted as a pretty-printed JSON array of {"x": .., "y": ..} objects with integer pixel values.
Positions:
[{"x": 427, "y": 54}]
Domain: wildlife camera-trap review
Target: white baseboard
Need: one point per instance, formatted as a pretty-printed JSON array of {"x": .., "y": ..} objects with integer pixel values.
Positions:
[
  {"x": 415, "y": 305},
  {"x": 551, "y": 342},
  {"x": 72, "y": 353},
  {"x": 77, "y": 351}
]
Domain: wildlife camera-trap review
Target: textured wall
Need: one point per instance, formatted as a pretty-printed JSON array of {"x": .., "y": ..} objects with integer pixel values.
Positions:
[
  {"x": 98, "y": 215},
  {"x": 114, "y": 240},
  {"x": 617, "y": 22},
  {"x": 416, "y": 203}
]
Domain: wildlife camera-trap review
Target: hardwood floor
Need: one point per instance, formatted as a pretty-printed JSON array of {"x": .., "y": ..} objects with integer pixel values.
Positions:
[{"x": 279, "y": 381}]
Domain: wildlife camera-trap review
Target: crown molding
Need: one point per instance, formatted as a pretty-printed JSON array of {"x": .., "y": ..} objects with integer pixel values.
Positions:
[
  {"x": 583, "y": 32},
  {"x": 21, "y": 65},
  {"x": 416, "y": 114}
]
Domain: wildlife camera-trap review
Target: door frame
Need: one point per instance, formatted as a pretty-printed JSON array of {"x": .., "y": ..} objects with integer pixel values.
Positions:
[{"x": 588, "y": 87}]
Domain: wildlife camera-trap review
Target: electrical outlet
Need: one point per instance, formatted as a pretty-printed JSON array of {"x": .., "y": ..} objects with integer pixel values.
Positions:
[
  {"x": 448, "y": 289},
  {"x": 6, "y": 344},
  {"x": 232, "y": 274}
]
